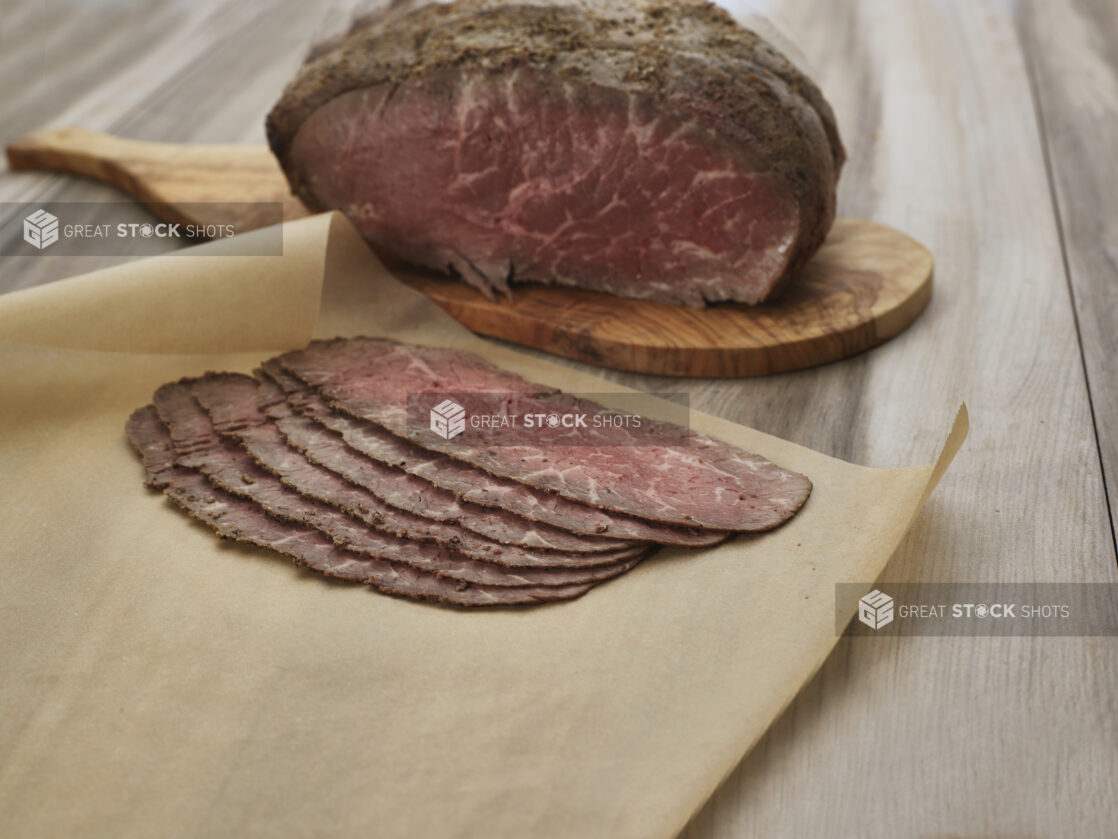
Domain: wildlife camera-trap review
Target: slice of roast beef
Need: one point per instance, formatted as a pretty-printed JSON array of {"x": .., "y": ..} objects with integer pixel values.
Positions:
[
  {"x": 243, "y": 521},
  {"x": 328, "y": 441},
  {"x": 643, "y": 148},
  {"x": 231, "y": 469},
  {"x": 232, "y": 402},
  {"x": 657, "y": 471},
  {"x": 470, "y": 485}
]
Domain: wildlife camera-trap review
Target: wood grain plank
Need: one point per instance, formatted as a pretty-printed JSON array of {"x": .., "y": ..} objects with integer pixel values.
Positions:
[
  {"x": 939, "y": 737},
  {"x": 190, "y": 86},
  {"x": 1073, "y": 53},
  {"x": 50, "y": 59}
]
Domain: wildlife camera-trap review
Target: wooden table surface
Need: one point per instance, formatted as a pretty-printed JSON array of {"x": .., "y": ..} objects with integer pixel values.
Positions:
[{"x": 988, "y": 131}]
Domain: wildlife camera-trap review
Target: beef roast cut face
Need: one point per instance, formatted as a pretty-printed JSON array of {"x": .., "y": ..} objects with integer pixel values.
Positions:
[
  {"x": 647, "y": 150},
  {"x": 519, "y": 176}
]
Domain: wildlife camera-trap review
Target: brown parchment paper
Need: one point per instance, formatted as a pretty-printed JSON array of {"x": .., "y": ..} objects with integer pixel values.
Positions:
[{"x": 157, "y": 682}]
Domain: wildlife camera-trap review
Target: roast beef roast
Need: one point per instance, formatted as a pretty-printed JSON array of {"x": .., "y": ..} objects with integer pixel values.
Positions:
[
  {"x": 644, "y": 148},
  {"x": 318, "y": 458},
  {"x": 657, "y": 471}
]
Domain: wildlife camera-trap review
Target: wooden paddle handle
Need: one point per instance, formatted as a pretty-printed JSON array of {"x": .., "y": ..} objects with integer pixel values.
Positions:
[
  {"x": 177, "y": 182},
  {"x": 77, "y": 151}
]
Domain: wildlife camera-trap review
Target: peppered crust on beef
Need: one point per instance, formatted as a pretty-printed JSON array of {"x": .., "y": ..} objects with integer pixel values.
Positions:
[{"x": 646, "y": 149}]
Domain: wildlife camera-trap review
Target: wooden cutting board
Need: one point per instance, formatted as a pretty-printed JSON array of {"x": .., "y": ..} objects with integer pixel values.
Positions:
[{"x": 867, "y": 283}]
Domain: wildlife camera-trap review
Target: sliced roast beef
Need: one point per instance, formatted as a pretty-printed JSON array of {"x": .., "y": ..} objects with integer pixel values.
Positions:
[
  {"x": 342, "y": 452},
  {"x": 657, "y": 471},
  {"x": 468, "y": 484},
  {"x": 269, "y": 461},
  {"x": 239, "y": 519},
  {"x": 231, "y": 469},
  {"x": 232, "y": 402},
  {"x": 643, "y": 148}
]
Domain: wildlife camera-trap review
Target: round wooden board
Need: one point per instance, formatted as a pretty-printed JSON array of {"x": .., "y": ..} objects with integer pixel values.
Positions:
[{"x": 866, "y": 284}]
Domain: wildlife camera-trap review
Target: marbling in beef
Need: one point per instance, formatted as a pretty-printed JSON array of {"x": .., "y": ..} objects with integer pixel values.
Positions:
[{"x": 643, "y": 148}]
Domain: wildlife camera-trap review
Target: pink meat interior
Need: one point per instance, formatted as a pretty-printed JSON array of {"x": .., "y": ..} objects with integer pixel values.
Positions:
[{"x": 533, "y": 178}]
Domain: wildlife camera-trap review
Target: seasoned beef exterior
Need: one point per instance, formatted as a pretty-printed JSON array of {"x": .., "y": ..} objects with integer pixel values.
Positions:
[{"x": 651, "y": 149}]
